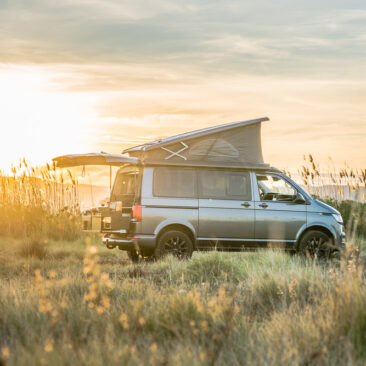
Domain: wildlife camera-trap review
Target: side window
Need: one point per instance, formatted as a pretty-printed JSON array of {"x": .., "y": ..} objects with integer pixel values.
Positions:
[
  {"x": 273, "y": 188},
  {"x": 174, "y": 182},
  {"x": 227, "y": 185}
]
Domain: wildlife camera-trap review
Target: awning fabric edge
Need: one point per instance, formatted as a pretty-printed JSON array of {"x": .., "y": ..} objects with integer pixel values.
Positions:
[{"x": 72, "y": 160}]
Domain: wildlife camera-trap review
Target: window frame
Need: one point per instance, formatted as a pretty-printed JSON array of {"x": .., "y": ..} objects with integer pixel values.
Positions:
[
  {"x": 226, "y": 198},
  {"x": 154, "y": 184},
  {"x": 277, "y": 176}
]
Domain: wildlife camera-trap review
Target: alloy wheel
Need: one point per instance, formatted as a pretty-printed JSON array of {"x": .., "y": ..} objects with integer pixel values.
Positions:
[
  {"x": 317, "y": 247},
  {"x": 176, "y": 246}
]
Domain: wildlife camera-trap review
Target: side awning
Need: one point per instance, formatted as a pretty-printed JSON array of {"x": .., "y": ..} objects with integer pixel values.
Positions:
[{"x": 67, "y": 161}]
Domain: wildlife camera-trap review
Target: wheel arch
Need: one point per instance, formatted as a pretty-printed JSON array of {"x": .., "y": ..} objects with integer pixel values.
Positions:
[
  {"x": 316, "y": 227},
  {"x": 179, "y": 227}
]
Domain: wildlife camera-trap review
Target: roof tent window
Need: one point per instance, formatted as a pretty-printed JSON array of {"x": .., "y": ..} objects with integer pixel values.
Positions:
[
  {"x": 226, "y": 185},
  {"x": 174, "y": 182},
  {"x": 213, "y": 148}
]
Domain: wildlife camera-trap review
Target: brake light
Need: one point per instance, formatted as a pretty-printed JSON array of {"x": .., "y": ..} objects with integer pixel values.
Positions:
[{"x": 137, "y": 212}]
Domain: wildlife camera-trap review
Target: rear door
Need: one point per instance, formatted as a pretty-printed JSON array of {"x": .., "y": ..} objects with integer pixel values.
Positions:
[
  {"x": 226, "y": 208},
  {"x": 278, "y": 216}
]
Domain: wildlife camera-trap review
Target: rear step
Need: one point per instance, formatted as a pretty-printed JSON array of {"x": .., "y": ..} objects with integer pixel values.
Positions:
[{"x": 123, "y": 244}]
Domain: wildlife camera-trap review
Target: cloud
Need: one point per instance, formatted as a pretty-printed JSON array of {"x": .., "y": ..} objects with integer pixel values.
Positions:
[
  {"x": 151, "y": 68},
  {"x": 282, "y": 37}
]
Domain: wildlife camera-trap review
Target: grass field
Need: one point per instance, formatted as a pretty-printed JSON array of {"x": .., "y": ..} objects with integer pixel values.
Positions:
[
  {"x": 66, "y": 300},
  {"x": 64, "y": 303}
]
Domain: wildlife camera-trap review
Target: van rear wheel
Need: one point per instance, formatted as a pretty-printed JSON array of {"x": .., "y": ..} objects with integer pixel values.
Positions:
[
  {"x": 174, "y": 242},
  {"x": 133, "y": 255},
  {"x": 316, "y": 244}
]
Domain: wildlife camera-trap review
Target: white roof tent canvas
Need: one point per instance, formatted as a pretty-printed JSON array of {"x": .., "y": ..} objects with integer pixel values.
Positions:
[
  {"x": 236, "y": 144},
  {"x": 233, "y": 143}
]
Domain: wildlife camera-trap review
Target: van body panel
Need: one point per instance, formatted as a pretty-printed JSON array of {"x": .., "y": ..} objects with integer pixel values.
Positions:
[
  {"x": 169, "y": 222},
  {"x": 317, "y": 206},
  {"x": 156, "y": 218},
  {"x": 159, "y": 212},
  {"x": 226, "y": 219},
  {"x": 226, "y": 207},
  {"x": 277, "y": 220}
]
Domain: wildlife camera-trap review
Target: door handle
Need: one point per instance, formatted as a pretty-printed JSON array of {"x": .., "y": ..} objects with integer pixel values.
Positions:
[
  {"x": 264, "y": 205},
  {"x": 245, "y": 204}
]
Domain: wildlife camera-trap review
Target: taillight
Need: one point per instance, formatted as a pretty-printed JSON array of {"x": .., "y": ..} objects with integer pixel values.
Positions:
[{"x": 137, "y": 212}]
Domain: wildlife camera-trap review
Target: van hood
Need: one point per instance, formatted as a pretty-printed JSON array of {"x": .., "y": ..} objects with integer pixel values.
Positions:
[{"x": 326, "y": 208}]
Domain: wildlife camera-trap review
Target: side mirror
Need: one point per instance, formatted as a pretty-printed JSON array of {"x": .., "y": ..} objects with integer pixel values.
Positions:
[{"x": 300, "y": 199}]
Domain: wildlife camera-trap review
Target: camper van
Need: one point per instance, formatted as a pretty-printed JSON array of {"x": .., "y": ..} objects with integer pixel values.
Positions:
[{"x": 209, "y": 189}]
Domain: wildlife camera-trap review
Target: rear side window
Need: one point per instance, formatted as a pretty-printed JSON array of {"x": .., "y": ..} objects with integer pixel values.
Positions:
[
  {"x": 221, "y": 184},
  {"x": 175, "y": 183},
  {"x": 125, "y": 185}
]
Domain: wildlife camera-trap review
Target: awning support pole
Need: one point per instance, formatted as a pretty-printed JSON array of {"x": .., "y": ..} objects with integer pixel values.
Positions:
[{"x": 110, "y": 178}]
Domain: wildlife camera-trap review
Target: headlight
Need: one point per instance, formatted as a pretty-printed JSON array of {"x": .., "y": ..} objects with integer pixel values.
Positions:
[
  {"x": 107, "y": 220},
  {"x": 338, "y": 218}
]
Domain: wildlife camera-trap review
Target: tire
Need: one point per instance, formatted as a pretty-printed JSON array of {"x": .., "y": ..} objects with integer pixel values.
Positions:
[
  {"x": 316, "y": 245},
  {"x": 133, "y": 255},
  {"x": 174, "y": 242}
]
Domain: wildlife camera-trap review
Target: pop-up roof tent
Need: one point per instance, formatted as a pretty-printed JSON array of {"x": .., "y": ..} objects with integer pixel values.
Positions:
[
  {"x": 233, "y": 144},
  {"x": 238, "y": 143}
]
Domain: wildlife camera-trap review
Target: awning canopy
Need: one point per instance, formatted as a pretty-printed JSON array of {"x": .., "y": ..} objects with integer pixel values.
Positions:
[{"x": 67, "y": 161}]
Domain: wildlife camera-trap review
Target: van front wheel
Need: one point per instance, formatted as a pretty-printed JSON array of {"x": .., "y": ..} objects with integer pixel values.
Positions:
[
  {"x": 176, "y": 243},
  {"x": 315, "y": 244}
]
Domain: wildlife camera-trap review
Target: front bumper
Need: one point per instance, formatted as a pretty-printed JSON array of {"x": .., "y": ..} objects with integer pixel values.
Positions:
[{"x": 343, "y": 240}]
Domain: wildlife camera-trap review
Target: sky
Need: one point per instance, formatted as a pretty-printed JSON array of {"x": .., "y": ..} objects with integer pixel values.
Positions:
[{"x": 101, "y": 75}]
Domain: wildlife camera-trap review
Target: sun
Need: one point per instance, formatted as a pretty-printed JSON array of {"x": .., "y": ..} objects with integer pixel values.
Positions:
[{"x": 39, "y": 117}]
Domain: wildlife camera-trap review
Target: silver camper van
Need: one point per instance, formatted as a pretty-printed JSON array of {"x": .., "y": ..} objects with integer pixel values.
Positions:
[{"x": 209, "y": 189}]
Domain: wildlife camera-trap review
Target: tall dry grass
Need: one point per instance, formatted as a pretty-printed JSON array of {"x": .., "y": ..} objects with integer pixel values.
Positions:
[
  {"x": 265, "y": 308},
  {"x": 69, "y": 303},
  {"x": 39, "y": 203},
  {"x": 343, "y": 188},
  {"x": 328, "y": 181}
]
